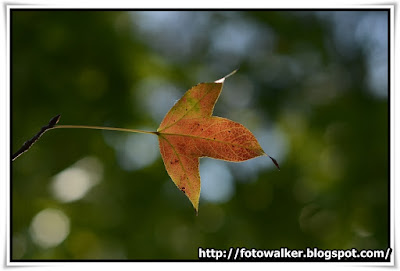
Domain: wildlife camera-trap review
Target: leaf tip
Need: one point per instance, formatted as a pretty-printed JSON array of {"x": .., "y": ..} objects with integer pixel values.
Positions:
[
  {"x": 226, "y": 76},
  {"x": 275, "y": 162},
  {"x": 196, "y": 207}
]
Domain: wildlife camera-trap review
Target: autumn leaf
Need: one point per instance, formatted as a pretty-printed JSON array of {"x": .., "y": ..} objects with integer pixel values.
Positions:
[{"x": 189, "y": 132}]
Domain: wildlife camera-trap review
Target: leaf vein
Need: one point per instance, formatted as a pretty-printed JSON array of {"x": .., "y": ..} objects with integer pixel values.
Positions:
[
  {"x": 209, "y": 139},
  {"x": 227, "y": 129},
  {"x": 180, "y": 162}
]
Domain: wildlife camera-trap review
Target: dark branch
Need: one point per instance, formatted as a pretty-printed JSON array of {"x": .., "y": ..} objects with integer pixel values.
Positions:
[{"x": 31, "y": 141}]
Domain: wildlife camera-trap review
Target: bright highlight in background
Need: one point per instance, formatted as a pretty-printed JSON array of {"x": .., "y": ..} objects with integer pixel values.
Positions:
[
  {"x": 137, "y": 151},
  {"x": 74, "y": 182},
  {"x": 49, "y": 228},
  {"x": 216, "y": 181}
]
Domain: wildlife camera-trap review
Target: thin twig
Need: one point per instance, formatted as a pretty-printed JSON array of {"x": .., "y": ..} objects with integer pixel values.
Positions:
[
  {"x": 31, "y": 141},
  {"x": 104, "y": 128}
]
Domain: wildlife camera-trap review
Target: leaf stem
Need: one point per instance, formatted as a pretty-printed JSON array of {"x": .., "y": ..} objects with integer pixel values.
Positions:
[
  {"x": 52, "y": 125},
  {"x": 103, "y": 128}
]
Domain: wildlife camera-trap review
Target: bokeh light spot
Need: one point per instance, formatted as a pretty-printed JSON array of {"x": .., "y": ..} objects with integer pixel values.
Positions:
[
  {"x": 137, "y": 151},
  {"x": 74, "y": 182},
  {"x": 156, "y": 97},
  {"x": 217, "y": 181},
  {"x": 49, "y": 228}
]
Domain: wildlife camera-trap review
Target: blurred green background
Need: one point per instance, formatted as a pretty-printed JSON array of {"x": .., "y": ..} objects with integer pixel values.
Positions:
[{"x": 312, "y": 86}]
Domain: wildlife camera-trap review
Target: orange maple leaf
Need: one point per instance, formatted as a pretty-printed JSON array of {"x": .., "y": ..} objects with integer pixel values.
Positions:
[{"x": 189, "y": 132}]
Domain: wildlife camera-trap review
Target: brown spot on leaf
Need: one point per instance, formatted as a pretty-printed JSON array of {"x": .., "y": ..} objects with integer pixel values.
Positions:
[{"x": 174, "y": 161}]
